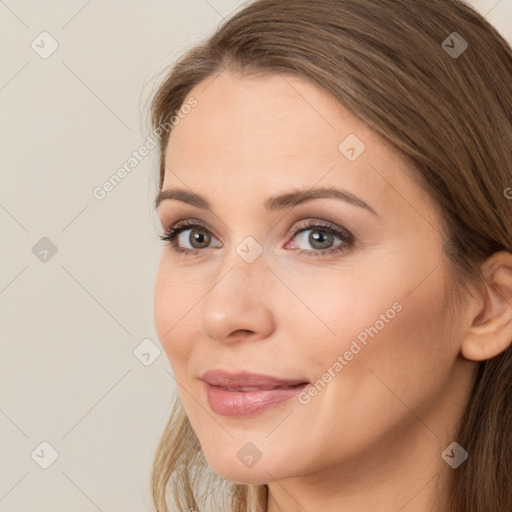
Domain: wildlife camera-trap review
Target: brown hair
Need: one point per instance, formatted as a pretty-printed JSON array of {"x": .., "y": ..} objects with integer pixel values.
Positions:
[{"x": 389, "y": 63}]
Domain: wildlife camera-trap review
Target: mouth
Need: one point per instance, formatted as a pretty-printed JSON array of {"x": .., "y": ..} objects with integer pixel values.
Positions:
[
  {"x": 245, "y": 381},
  {"x": 243, "y": 395},
  {"x": 261, "y": 388}
]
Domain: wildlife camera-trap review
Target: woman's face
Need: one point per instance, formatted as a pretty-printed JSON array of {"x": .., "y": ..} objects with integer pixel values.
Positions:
[{"x": 351, "y": 302}]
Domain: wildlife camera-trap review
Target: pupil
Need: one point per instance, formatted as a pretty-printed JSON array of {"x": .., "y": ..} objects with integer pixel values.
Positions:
[
  {"x": 199, "y": 237},
  {"x": 319, "y": 237}
]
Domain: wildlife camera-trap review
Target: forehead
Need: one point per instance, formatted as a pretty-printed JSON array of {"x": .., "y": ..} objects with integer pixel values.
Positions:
[
  {"x": 276, "y": 131},
  {"x": 265, "y": 115}
]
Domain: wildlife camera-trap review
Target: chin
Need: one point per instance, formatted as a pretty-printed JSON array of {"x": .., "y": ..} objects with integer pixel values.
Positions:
[
  {"x": 247, "y": 477},
  {"x": 233, "y": 470}
]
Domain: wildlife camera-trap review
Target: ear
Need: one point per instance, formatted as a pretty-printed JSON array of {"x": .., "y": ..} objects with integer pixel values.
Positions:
[{"x": 491, "y": 329}]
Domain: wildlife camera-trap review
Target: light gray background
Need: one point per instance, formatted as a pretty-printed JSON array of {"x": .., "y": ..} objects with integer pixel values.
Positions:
[{"x": 70, "y": 323}]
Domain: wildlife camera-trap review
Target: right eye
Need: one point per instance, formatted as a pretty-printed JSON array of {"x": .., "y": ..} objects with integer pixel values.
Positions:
[{"x": 197, "y": 236}]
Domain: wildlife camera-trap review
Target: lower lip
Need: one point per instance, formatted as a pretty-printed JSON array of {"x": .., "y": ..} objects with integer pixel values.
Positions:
[{"x": 241, "y": 404}]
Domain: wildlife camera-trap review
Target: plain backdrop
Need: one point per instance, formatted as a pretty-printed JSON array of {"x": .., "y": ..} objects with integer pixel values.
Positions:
[{"x": 85, "y": 388}]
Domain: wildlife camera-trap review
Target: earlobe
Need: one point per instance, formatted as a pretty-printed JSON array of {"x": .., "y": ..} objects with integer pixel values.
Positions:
[{"x": 491, "y": 330}]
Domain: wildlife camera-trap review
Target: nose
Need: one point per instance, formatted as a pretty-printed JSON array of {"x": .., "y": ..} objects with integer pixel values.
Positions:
[{"x": 238, "y": 306}]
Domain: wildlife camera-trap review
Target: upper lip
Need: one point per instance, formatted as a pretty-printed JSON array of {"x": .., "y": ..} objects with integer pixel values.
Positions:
[{"x": 228, "y": 380}]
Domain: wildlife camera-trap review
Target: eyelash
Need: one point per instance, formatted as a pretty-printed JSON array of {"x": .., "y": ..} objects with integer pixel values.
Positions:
[{"x": 170, "y": 237}]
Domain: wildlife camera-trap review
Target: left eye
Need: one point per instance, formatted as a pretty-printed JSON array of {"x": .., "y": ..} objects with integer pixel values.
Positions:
[
  {"x": 321, "y": 237},
  {"x": 318, "y": 238}
]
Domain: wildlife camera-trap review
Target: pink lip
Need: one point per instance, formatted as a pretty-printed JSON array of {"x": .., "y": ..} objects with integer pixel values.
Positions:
[{"x": 225, "y": 397}]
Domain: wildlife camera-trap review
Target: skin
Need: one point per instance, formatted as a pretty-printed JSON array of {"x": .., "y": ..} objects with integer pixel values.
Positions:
[{"x": 372, "y": 438}]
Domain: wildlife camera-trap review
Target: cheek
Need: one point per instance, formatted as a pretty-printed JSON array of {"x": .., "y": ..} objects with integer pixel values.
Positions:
[
  {"x": 162, "y": 301},
  {"x": 386, "y": 324},
  {"x": 333, "y": 309},
  {"x": 384, "y": 365},
  {"x": 408, "y": 360},
  {"x": 172, "y": 305}
]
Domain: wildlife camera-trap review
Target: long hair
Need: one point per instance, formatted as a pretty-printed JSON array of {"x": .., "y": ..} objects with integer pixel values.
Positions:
[{"x": 433, "y": 78}]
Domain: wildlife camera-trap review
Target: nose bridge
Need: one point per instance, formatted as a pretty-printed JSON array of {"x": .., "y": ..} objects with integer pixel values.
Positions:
[
  {"x": 239, "y": 298},
  {"x": 243, "y": 273},
  {"x": 246, "y": 255}
]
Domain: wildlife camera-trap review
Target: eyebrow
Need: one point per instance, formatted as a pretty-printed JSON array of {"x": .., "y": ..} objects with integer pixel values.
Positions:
[{"x": 272, "y": 203}]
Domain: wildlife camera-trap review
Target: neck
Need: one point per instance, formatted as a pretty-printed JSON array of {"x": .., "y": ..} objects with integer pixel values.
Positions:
[{"x": 408, "y": 475}]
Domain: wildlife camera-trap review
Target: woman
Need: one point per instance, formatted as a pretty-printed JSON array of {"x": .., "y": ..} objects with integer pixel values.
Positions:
[{"x": 335, "y": 291}]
